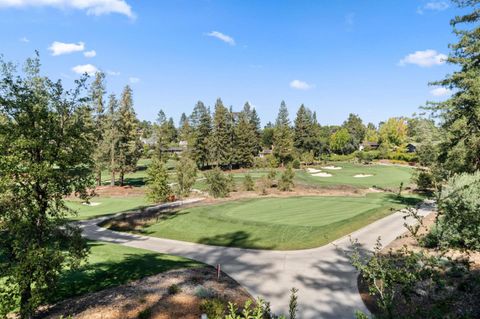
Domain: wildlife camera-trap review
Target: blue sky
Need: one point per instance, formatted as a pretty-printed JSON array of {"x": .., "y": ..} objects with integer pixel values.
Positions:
[{"x": 370, "y": 57}]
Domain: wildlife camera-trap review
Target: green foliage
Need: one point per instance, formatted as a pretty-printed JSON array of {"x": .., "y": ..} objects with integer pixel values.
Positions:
[
  {"x": 459, "y": 212},
  {"x": 213, "y": 308},
  {"x": 201, "y": 126},
  {"x": 341, "y": 142},
  {"x": 166, "y": 134},
  {"x": 47, "y": 140},
  {"x": 217, "y": 183},
  {"x": 401, "y": 156},
  {"x": 283, "y": 137},
  {"x": 223, "y": 136},
  {"x": 174, "y": 289},
  {"x": 308, "y": 158},
  {"x": 286, "y": 180},
  {"x": 145, "y": 313},
  {"x": 423, "y": 179},
  {"x": 232, "y": 186},
  {"x": 296, "y": 163},
  {"x": 393, "y": 132},
  {"x": 293, "y": 303},
  {"x": 248, "y": 183},
  {"x": 186, "y": 175},
  {"x": 158, "y": 188},
  {"x": 356, "y": 129}
]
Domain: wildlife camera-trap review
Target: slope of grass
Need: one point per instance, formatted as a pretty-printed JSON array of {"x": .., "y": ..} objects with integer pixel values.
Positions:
[
  {"x": 106, "y": 206},
  {"x": 383, "y": 176},
  {"x": 276, "y": 223},
  {"x": 111, "y": 265}
]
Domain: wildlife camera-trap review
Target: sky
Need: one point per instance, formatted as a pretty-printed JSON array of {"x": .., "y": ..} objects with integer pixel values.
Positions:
[{"x": 374, "y": 58}]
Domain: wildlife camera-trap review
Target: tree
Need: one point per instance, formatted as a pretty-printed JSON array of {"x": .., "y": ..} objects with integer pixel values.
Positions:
[
  {"x": 248, "y": 183},
  {"x": 221, "y": 143},
  {"x": 129, "y": 145},
  {"x": 340, "y": 141},
  {"x": 158, "y": 188},
  {"x": 47, "y": 137},
  {"x": 255, "y": 122},
  {"x": 304, "y": 132},
  {"x": 282, "y": 136},
  {"x": 186, "y": 175},
  {"x": 97, "y": 91},
  {"x": 371, "y": 134},
  {"x": 356, "y": 129},
  {"x": 217, "y": 183},
  {"x": 166, "y": 134},
  {"x": 246, "y": 141},
  {"x": 111, "y": 137},
  {"x": 394, "y": 131},
  {"x": 202, "y": 126},
  {"x": 460, "y": 114},
  {"x": 184, "y": 129},
  {"x": 267, "y": 135},
  {"x": 286, "y": 179}
]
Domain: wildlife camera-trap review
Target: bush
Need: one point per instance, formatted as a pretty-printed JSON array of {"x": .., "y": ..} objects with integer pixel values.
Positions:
[
  {"x": 459, "y": 212},
  {"x": 296, "y": 164},
  {"x": 186, "y": 175},
  {"x": 174, "y": 289},
  {"x": 217, "y": 183},
  {"x": 286, "y": 180},
  {"x": 423, "y": 179},
  {"x": 232, "y": 186},
  {"x": 367, "y": 156},
  {"x": 213, "y": 308},
  {"x": 157, "y": 184},
  {"x": 264, "y": 185},
  {"x": 248, "y": 184},
  {"x": 402, "y": 156}
]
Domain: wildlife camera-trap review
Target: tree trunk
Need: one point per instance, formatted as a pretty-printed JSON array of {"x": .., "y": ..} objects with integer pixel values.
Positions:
[
  {"x": 112, "y": 164},
  {"x": 112, "y": 178},
  {"x": 122, "y": 175},
  {"x": 25, "y": 296},
  {"x": 99, "y": 178}
]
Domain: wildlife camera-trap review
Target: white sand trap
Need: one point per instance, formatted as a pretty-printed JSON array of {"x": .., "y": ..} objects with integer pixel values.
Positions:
[
  {"x": 331, "y": 167},
  {"x": 91, "y": 204},
  {"x": 313, "y": 170},
  {"x": 362, "y": 175},
  {"x": 322, "y": 174}
]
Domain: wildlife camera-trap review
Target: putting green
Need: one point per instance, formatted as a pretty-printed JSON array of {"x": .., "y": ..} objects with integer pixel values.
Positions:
[{"x": 275, "y": 223}]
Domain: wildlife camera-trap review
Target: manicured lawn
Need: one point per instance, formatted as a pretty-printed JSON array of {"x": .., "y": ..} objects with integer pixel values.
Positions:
[
  {"x": 111, "y": 265},
  {"x": 383, "y": 176},
  {"x": 107, "y": 206},
  {"x": 276, "y": 223}
]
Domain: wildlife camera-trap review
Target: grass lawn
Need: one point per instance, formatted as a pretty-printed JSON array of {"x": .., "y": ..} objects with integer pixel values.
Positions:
[
  {"x": 107, "y": 206},
  {"x": 111, "y": 265},
  {"x": 276, "y": 223},
  {"x": 383, "y": 176}
]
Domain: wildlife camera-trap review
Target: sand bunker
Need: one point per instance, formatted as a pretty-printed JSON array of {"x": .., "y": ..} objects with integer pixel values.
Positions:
[
  {"x": 331, "y": 167},
  {"x": 322, "y": 174},
  {"x": 362, "y": 175},
  {"x": 313, "y": 170},
  {"x": 91, "y": 204}
]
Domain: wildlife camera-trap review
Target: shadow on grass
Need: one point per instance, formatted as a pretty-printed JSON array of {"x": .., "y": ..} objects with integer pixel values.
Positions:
[
  {"x": 234, "y": 239},
  {"x": 78, "y": 217},
  {"x": 404, "y": 200},
  {"x": 98, "y": 276}
]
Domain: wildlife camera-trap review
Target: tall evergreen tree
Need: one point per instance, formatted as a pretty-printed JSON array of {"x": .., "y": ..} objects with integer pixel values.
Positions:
[
  {"x": 356, "y": 129},
  {"x": 304, "y": 137},
  {"x": 202, "y": 126},
  {"x": 184, "y": 129},
  {"x": 97, "y": 92},
  {"x": 460, "y": 114},
  {"x": 246, "y": 140},
  {"x": 129, "y": 145},
  {"x": 282, "y": 136},
  {"x": 166, "y": 134},
  {"x": 256, "y": 125},
  {"x": 221, "y": 142},
  {"x": 110, "y": 142}
]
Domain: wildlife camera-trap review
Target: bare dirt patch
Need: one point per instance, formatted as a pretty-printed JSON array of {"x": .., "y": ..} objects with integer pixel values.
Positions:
[{"x": 153, "y": 296}]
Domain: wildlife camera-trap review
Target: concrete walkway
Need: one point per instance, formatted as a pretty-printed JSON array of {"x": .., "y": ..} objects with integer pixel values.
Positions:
[{"x": 326, "y": 281}]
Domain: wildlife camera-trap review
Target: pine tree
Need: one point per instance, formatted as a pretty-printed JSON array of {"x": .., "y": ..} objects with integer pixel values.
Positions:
[
  {"x": 186, "y": 175},
  {"x": 166, "y": 134},
  {"x": 110, "y": 142},
  {"x": 255, "y": 122},
  {"x": 304, "y": 137},
  {"x": 246, "y": 145},
  {"x": 202, "y": 126},
  {"x": 158, "y": 188},
  {"x": 282, "y": 136},
  {"x": 184, "y": 129},
  {"x": 221, "y": 142},
  {"x": 97, "y": 91},
  {"x": 129, "y": 145}
]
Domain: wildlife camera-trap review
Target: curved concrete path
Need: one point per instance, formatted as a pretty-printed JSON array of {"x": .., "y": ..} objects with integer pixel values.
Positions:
[{"x": 326, "y": 281}]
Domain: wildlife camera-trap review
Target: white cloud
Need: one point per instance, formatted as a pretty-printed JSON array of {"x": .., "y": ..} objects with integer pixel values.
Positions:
[
  {"x": 223, "y": 37},
  {"x": 113, "y": 73},
  {"x": 85, "y": 68},
  {"x": 433, "y": 6},
  {"x": 441, "y": 91},
  {"x": 92, "y": 7},
  {"x": 90, "y": 54},
  {"x": 300, "y": 85},
  {"x": 133, "y": 80},
  {"x": 425, "y": 58},
  {"x": 59, "y": 48},
  {"x": 24, "y": 40}
]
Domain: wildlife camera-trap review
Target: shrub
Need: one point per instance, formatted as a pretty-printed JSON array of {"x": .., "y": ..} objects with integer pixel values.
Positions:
[
  {"x": 286, "y": 180},
  {"x": 248, "y": 184},
  {"x": 213, "y": 308},
  {"x": 145, "y": 313},
  {"x": 296, "y": 163},
  {"x": 423, "y": 179},
  {"x": 174, "y": 289},
  {"x": 264, "y": 185},
  {"x": 459, "y": 212},
  {"x": 232, "y": 186},
  {"x": 186, "y": 175},
  {"x": 217, "y": 183},
  {"x": 158, "y": 188}
]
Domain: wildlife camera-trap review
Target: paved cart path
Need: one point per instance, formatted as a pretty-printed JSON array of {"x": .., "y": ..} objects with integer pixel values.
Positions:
[{"x": 326, "y": 281}]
